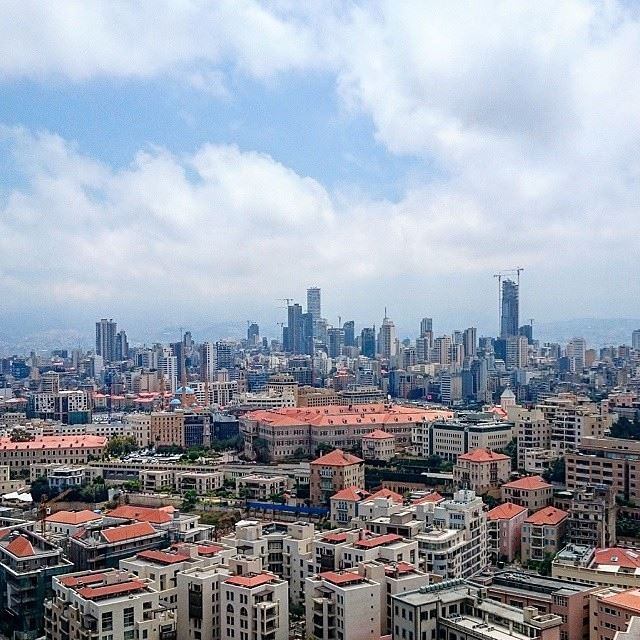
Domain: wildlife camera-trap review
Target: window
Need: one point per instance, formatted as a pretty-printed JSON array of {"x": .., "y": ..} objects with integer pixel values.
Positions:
[
  {"x": 107, "y": 621},
  {"x": 128, "y": 617}
]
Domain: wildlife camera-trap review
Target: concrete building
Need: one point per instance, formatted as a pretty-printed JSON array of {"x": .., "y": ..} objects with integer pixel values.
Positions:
[
  {"x": 68, "y": 523},
  {"x": 592, "y": 515},
  {"x": 166, "y": 429},
  {"x": 531, "y": 492},
  {"x": 458, "y": 609},
  {"x": 68, "y": 407},
  {"x": 107, "y": 604},
  {"x": 612, "y": 609},
  {"x": 532, "y": 431},
  {"x": 28, "y": 563},
  {"x": 261, "y": 487},
  {"x": 543, "y": 534},
  {"x": 332, "y": 472},
  {"x": 378, "y": 445},
  {"x": 344, "y": 505},
  {"x": 481, "y": 470},
  {"x": 504, "y": 530}
]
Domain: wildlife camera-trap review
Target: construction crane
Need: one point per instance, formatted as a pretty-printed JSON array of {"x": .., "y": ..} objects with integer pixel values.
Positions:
[
  {"x": 287, "y": 300},
  {"x": 515, "y": 271},
  {"x": 43, "y": 508}
]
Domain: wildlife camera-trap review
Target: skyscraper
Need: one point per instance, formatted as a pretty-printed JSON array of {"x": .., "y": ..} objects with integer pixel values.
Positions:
[
  {"x": 295, "y": 324},
  {"x": 426, "y": 326},
  {"x": 208, "y": 361},
  {"x": 349, "y": 333},
  {"x": 336, "y": 341},
  {"x": 253, "y": 334},
  {"x": 122, "y": 346},
  {"x": 510, "y": 309},
  {"x": 576, "y": 353},
  {"x": 387, "y": 339},
  {"x": 368, "y": 342},
  {"x": 470, "y": 342},
  {"x": 106, "y": 339},
  {"x": 313, "y": 304},
  {"x": 635, "y": 339}
]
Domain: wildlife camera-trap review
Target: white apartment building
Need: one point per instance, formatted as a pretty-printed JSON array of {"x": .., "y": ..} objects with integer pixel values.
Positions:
[
  {"x": 531, "y": 429},
  {"x": 139, "y": 426},
  {"x": 107, "y": 604}
]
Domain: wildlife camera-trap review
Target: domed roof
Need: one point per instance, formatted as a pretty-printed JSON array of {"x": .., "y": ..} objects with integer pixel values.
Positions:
[
  {"x": 507, "y": 393},
  {"x": 175, "y": 402},
  {"x": 185, "y": 390}
]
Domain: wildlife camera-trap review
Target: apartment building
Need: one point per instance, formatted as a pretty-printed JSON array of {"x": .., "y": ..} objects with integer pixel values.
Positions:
[
  {"x": 261, "y": 487},
  {"x": 106, "y": 604},
  {"x": 332, "y": 472},
  {"x": 532, "y": 431},
  {"x": 543, "y": 534},
  {"x": 452, "y": 438},
  {"x": 344, "y": 505},
  {"x": 504, "y": 530},
  {"x": 606, "y": 461},
  {"x": 289, "y": 430},
  {"x": 43, "y": 450},
  {"x": 458, "y": 609},
  {"x": 612, "y": 609},
  {"x": 68, "y": 523},
  {"x": 102, "y": 547},
  {"x": 531, "y": 492},
  {"x": 548, "y": 595},
  {"x": 481, "y": 470},
  {"x": 378, "y": 445},
  {"x": 612, "y": 567},
  {"x": 68, "y": 407},
  {"x": 166, "y": 429},
  {"x": 28, "y": 563}
]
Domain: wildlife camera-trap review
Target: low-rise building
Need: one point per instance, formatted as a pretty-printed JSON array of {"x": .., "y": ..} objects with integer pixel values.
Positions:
[
  {"x": 68, "y": 523},
  {"x": 344, "y": 505},
  {"x": 378, "y": 445},
  {"x": 543, "y": 534},
  {"x": 481, "y": 470},
  {"x": 332, "y": 472},
  {"x": 611, "y": 611},
  {"x": 504, "y": 530},
  {"x": 261, "y": 487},
  {"x": 531, "y": 492}
]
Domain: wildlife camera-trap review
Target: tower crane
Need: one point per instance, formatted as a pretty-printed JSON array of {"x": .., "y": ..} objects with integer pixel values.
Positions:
[{"x": 515, "y": 271}]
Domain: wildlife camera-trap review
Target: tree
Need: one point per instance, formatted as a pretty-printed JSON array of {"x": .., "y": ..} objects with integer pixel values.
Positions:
[
  {"x": 511, "y": 450},
  {"x": 189, "y": 500},
  {"x": 121, "y": 445},
  {"x": 40, "y": 487},
  {"x": 556, "y": 473},
  {"x": 625, "y": 428},
  {"x": 261, "y": 447}
]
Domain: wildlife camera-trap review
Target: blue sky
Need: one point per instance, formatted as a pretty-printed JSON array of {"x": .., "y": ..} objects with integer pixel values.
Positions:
[{"x": 197, "y": 161}]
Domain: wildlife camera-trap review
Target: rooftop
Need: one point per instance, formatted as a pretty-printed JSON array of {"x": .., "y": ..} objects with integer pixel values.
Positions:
[
  {"x": 73, "y": 517},
  {"x": 548, "y": 515},
  {"x": 378, "y": 541},
  {"x": 505, "y": 511},
  {"x": 251, "y": 581},
  {"x": 163, "y": 557},
  {"x": 528, "y": 483},
  {"x": 337, "y": 458},
  {"x": 342, "y": 578},
  {"x": 483, "y": 455},
  {"x": 128, "y": 532},
  {"x": 54, "y": 442},
  {"x": 147, "y": 514},
  {"x": 378, "y": 434},
  {"x": 110, "y": 590},
  {"x": 350, "y": 494}
]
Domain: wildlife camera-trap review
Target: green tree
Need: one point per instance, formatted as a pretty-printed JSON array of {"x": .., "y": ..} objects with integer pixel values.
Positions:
[
  {"x": 40, "y": 487},
  {"x": 625, "y": 428},
  {"x": 189, "y": 500},
  {"x": 556, "y": 473},
  {"x": 121, "y": 445}
]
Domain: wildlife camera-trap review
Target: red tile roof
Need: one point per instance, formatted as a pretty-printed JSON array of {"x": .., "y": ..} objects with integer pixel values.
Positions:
[
  {"x": 350, "y": 494},
  {"x": 626, "y": 558},
  {"x": 127, "y": 531},
  {"x": 340, "y": 536},
  {"x": 342, "y": 577},
  {"x": 434, "y": 496},
  {"x": 337, "y": 458},
  {"x": 146, "y": 514},
  {"x": 548, "y": 515},
  {"x": 251, "y": 581},
  {"x": 629, "y": 600},
  {"x": 73, "y": 517},
  {"x": 21, "y": 546},
  {"x": 399, "y": 567},
  {"x": 505, "y": 511},
  {"x": 77, "y": 581},
  {"x": 386, "y": 493},
  {"x": 209, "y": 549},
  {"x": 119, "y": 589},
  {"x": 163, "y": 557},
  {"x": 54, "y": 442},
  {"x": 378, "y": 434},
  {"x": 528, "y": 483},
  {"x": 378, "y": 541},
  {"x": 483, "y": 455}
]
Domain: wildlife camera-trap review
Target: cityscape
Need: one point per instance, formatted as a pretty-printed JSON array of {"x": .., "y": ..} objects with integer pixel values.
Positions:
[{"x": 319, "y": 321}]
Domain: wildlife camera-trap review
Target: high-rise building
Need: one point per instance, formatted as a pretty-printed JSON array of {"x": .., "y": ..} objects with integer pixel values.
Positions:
[
  {"x": 442, "y": 350},
  {"x": 517, "y": 352},
  {"x": 253, "y": 334},
  {"x": 336, "y": 341},
  {"x": 349, "y": 333},
  {"x": 168, "y": 367},
  {"x": 368, "y": 342},
  {"x": 314, "y": 307},
  {"x": 470, "y": 342},
  {"x": 122, "y": 346},
  {"x": 208, "y": 361},
  {"x": 224, "y": 355},
  {"x": 635, "y": 340},
  {"x": 509, "y": 319},
  {"x": 387, "y": 342},
  {"x": 294, "y": 324},
  {"x": 426, "y": 327},
  {"x": 106, "y": 339},
  {"x": 576, "y": 353}
]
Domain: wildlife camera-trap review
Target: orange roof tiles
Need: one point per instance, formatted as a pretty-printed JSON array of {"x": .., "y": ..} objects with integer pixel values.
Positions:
[
  {"x": 251, "y": 581},
  {"x": 339, "y": 536},
  {"x": 350, "y": 494},
  {"x": 378, "y": 541},
  {"x": 400, "y": 568},
  {"x": 483, "y": 455},
  {"x": 127, "y": 532},
  {"x": 342, "y": 577},
  {"x": 434, "y": 496},
  {"x": 626, "y": 558},
  {"x": 209, "y": 549},
  {"x": 146, "y": 514},
  {"x": 21, "y": 546},
  {"x": 378, "y": 434},
  {"x": 386, "y": 493},
  {"x": 337, "y": 458},
  {"x": 77, "y": 581},
  {"x": 54, "y": 442},
  {"x": 528, "y": 483},
  {"x": 163, "y": 557},
  {"x": 73, "y": 517},
  {"x": 629, "y": 599},
  {"x": 548, "y": 515},
  {"x": 505, "y": 511},
  {"x": 118, "y": 589}
]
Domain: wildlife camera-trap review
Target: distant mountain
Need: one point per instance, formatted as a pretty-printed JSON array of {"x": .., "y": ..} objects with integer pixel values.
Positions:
[{"x": 598, "y": 332}]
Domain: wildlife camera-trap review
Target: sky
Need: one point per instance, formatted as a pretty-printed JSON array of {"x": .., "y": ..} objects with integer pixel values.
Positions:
[{"x": 182, "y": 163}]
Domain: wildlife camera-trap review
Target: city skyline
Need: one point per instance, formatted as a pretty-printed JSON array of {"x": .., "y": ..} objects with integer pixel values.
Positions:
[{"x": 150, "y": 180}]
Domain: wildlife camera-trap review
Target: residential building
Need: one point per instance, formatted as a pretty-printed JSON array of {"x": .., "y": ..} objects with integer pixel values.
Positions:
[
  {"x": 504, "y": 530},
  {"x": 106, "y": 331},
  {"x": 543, "y": 534},
  {"x": 531, "y": 492},
  {"x": 166, "y": 429},
  {"x": 332, "y": 472},
  {"x": 481, "y": 470},
  {"x": 458, "y": 609},
  {"x": 68, "y": 523},
  {"x": 107, "y": 604},
  {"x": 261, "y": 487},
  {"x": 28, "y": 562},
  {"x": 611, "y": 611},
  {"x": 344, "y": 505},
  {"x": 68, "y": 407},
  {"x": 378, "y": 445},
  {"x": 532, "y": 431},
  {"x": 592, "y": 515}
]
